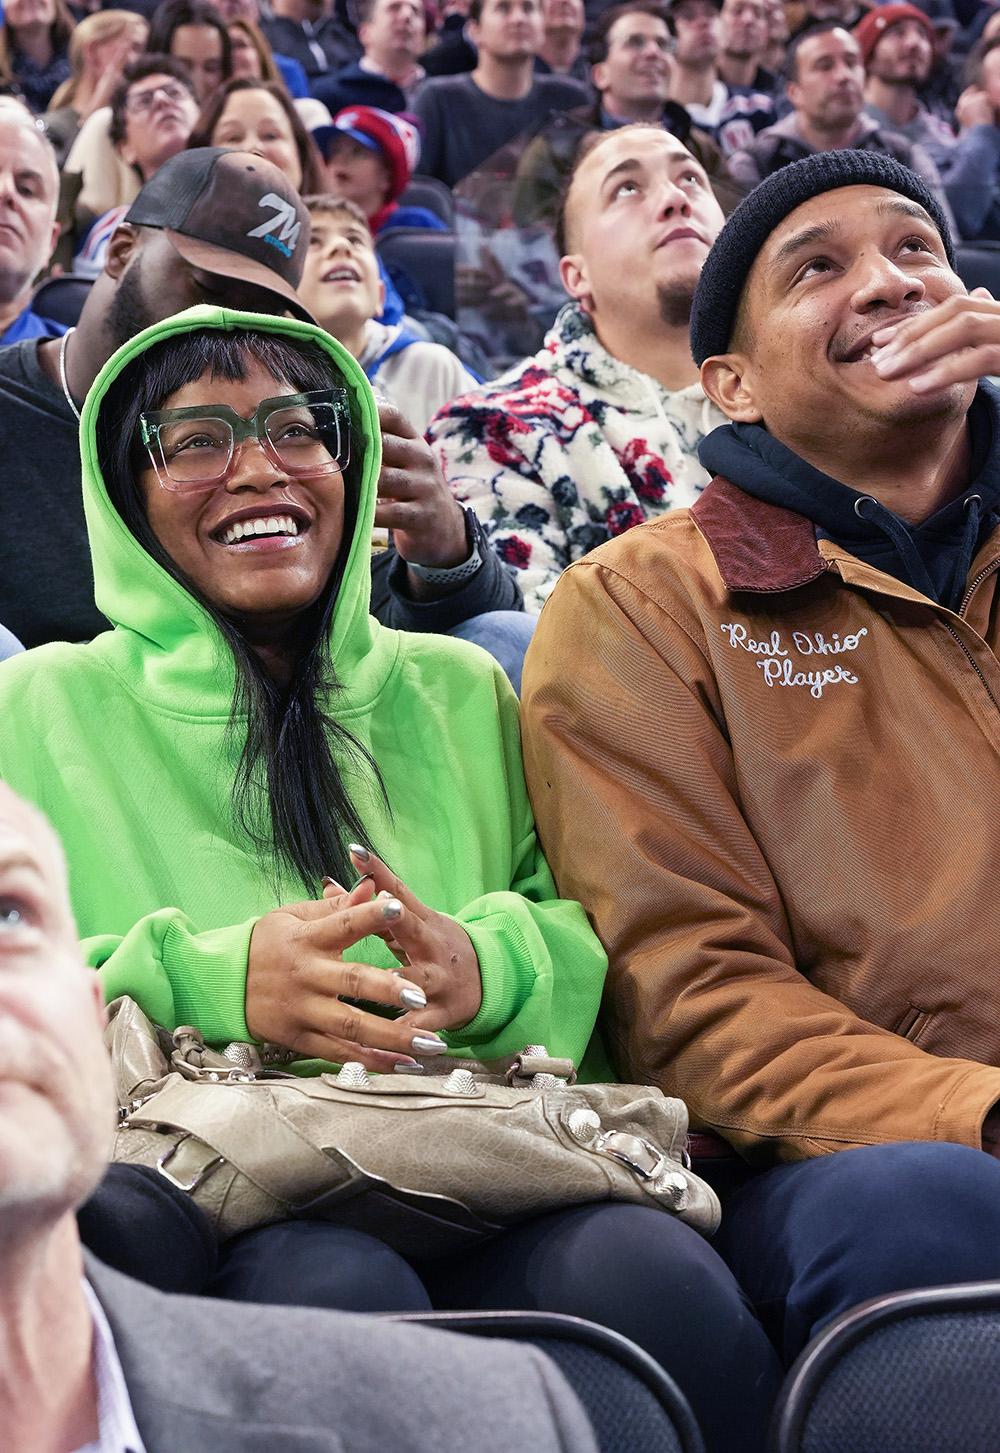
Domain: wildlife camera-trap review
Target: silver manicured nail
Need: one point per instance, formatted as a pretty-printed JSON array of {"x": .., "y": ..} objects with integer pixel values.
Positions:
[
  {"x": 359, "y": 851},
  {"x": 392, "y": 908},
  {"x": 427, "y": 1044},
  {"x": 407, "y": 1067},
  {"x": 413, "y": 998}
]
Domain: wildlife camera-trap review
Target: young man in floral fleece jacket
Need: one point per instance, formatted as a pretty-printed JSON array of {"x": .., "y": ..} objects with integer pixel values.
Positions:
[{"x": 599, "y": 431}]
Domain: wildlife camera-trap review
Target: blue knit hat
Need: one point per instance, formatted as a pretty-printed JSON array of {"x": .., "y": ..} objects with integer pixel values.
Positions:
[{"x": 727, "y": 267}]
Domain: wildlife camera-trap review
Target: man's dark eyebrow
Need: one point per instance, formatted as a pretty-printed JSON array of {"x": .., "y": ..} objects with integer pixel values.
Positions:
[
  {"x": 630, "y": 164},
  {"x": 821, "y": 232},
  {"x": 899, "y": 206}
]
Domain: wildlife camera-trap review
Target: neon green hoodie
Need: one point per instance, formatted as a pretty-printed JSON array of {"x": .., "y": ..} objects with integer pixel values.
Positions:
[{"x": 122, "y": 743}]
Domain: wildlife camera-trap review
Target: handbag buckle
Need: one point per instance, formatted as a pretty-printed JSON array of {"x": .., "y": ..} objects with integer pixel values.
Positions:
[
  {"x": 199, "y": 1175},
  {"x": 637, "y": 1155}
]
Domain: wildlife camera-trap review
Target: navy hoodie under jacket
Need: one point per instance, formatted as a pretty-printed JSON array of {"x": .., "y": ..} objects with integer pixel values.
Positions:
[{"x": 934, "y": 557}]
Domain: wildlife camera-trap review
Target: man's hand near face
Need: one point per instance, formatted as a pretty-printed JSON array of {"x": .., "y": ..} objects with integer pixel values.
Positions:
[
  {"x": 958, "y": 341},
  {"x": 427, "y": 524}
]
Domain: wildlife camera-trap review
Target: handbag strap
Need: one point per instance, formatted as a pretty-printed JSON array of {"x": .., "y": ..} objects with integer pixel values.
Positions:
[{"x": 266, "y": 1148}]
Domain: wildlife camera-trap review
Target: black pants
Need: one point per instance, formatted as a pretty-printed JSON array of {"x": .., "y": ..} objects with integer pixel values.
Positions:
[{"x": 632, "y": 1268}]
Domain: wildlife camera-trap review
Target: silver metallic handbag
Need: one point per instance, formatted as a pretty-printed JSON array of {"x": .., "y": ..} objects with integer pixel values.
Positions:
[{"x": 429, "y": 1163}]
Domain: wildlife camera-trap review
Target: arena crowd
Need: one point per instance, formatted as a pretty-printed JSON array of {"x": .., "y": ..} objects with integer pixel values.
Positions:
[{"x": 501, "y": 502}]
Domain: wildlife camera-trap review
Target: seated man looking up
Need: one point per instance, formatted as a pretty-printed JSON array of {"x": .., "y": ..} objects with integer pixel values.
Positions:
[
  {"x": 761, "y": 736},
  {"x": 91, "y": 1359},
  {"x": 599, "y": 430},
  {"x": 29, "y": 180}
]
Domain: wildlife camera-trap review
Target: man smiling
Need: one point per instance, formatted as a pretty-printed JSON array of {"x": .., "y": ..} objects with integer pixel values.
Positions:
[{"x": 791, "y": 861}]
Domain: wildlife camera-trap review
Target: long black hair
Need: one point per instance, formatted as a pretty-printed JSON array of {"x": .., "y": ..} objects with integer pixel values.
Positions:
[{"x": 288, "y": 774}]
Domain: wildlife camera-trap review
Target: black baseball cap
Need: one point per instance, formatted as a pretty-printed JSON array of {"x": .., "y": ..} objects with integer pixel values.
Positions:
[{"x": 233, "y": 214}]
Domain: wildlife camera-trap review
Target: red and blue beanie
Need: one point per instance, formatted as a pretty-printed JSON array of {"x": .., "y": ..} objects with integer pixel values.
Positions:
[{"x": 394, "y": 138}]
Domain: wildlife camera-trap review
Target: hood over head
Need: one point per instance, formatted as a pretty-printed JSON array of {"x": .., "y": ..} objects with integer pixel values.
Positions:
[{"x": 135, "y": 592}]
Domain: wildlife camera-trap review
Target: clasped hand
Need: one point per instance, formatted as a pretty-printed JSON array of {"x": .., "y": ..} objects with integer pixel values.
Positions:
[{"x": 297, "y": 980}]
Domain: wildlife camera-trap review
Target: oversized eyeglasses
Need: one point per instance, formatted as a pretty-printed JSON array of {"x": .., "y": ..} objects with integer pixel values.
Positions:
[{"x": 301, "y": 434}]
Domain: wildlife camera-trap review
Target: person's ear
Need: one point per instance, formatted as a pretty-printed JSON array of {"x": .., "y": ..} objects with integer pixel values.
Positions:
[
  {"x": 97, "y": 994},
  {"x": 381, "y": 298},
  {"x": 575, "y": 279},
  {"x": 364, "y": 26},
  {"x": 471, "y": 29},
  {"x": 794, "y": 93},
  {"x": 124, "y": 241},
  {"x": 126, "y": 152},
  {"x": 599, "y": 76},
  {"x": 728, "y": 381}
]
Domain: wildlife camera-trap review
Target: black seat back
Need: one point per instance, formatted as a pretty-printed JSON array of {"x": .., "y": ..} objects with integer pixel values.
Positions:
[
  {"x": 915, "y": 1372},
  {"x": 633, "y": 1405}
]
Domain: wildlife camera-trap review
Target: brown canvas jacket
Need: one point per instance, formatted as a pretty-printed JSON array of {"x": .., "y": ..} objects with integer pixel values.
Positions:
[{"x": 771, "y": 773}]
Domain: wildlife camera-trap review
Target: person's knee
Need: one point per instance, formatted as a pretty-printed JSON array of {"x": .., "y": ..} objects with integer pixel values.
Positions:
[{"x": 317, "y": 1264}]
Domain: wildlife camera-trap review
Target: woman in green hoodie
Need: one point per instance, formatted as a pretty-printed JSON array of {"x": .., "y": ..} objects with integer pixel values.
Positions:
[{"x": 246, "y": 740}]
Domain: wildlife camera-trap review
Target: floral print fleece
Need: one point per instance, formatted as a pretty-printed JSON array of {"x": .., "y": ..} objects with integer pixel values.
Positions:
[{"x": 569, "y": 449}]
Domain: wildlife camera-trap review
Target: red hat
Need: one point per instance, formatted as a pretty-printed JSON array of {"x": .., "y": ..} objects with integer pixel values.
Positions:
[{"x": 874, "y": 24}]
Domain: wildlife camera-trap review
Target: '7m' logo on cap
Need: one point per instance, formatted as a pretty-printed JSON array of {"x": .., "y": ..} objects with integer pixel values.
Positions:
[{"x": 284, "y": 227}]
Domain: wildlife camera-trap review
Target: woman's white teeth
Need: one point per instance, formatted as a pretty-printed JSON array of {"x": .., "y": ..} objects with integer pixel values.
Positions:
[{"x": 267, "y": 525}]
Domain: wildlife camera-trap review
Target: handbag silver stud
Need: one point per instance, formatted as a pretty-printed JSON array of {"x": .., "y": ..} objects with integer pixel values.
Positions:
[
  {"x": 460, "y": 1082},
  {"x": 353, "y": 1076},
  {"x": 673, "y": 1187},
  {"x": 583, "y": 1125},
  {"x": 547, "y": 1082}
]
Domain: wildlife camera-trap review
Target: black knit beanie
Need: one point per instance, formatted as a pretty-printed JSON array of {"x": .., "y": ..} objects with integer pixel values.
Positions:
[{"x": 727, "y": 267}]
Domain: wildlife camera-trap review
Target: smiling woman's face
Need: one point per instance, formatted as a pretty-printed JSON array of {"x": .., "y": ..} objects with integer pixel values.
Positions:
[{"x": 261, "y": 581}]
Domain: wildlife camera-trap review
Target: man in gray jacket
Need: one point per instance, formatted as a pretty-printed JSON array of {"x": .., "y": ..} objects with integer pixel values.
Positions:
[{"x": 92, "y": 1360}]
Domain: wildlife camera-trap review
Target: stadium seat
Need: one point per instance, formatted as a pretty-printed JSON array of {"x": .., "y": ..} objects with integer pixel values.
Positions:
[
  {"x": 911, "y": 1372},
  {"x": 62, "y": 298},
  {"x": 428, "y": 260},
  {"x": 633, "y": 1406},
  {"x": 430, "y": 193},
  {"x": 978, "y": 265}
]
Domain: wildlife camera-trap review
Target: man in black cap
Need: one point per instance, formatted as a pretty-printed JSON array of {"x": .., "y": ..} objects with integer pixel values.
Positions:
[
  {"x": 761, "y": 739},
  {"x": 210, "y": 226}
]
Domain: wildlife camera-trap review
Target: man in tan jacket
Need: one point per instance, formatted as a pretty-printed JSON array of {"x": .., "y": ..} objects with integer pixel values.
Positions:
[{"x": 762, "y": 740}]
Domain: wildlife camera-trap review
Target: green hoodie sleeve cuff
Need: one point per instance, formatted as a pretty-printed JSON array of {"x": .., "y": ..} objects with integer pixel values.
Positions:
[
  {"x": 177, "y": 975},
  {"x": 543, "y": 972}
]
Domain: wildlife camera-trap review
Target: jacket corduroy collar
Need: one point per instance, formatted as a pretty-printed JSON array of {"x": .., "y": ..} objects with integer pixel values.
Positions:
[{"x": 757, "y": 546}]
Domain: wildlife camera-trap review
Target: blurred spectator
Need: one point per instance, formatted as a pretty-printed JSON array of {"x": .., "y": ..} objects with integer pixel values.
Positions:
[
  {"x": 29, "y": 190},
  {"x": 259, "y": 116},
  {"x": 631, "y": 53},
  {"x": 777, "y": 36},
  {"x": 303, "y": 29},
  {"x": 561, "y": 53},
  {"x": 251, "y": 55},
  {"x": 99, "y": 48},
  {"x": 973, "y": 183},
  {"x": 153, "y": 113},
  {"x": 846, "y": 12},
  {"x": 941, "y": 90},
  {"x": 745, "y": 32},
  {"x": 451, "y": 53},
  {"x": 467, "y": 118},
  {"x": 369, "y": 158},
  {"x": 393, "y": 34},
  {"x": 732, "y": 114},
  {"x": 195, "y": 33},
  {"x": 826, "y": 78},
  {"x": 34, "y": 48},
  {"x": 291, "y": 70},
  {"x": 600, "y": 430},
  {"x": 342, "y": 288},
  {"x": 897, "y": 47},
  {"x": 188, "y": 241}
]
